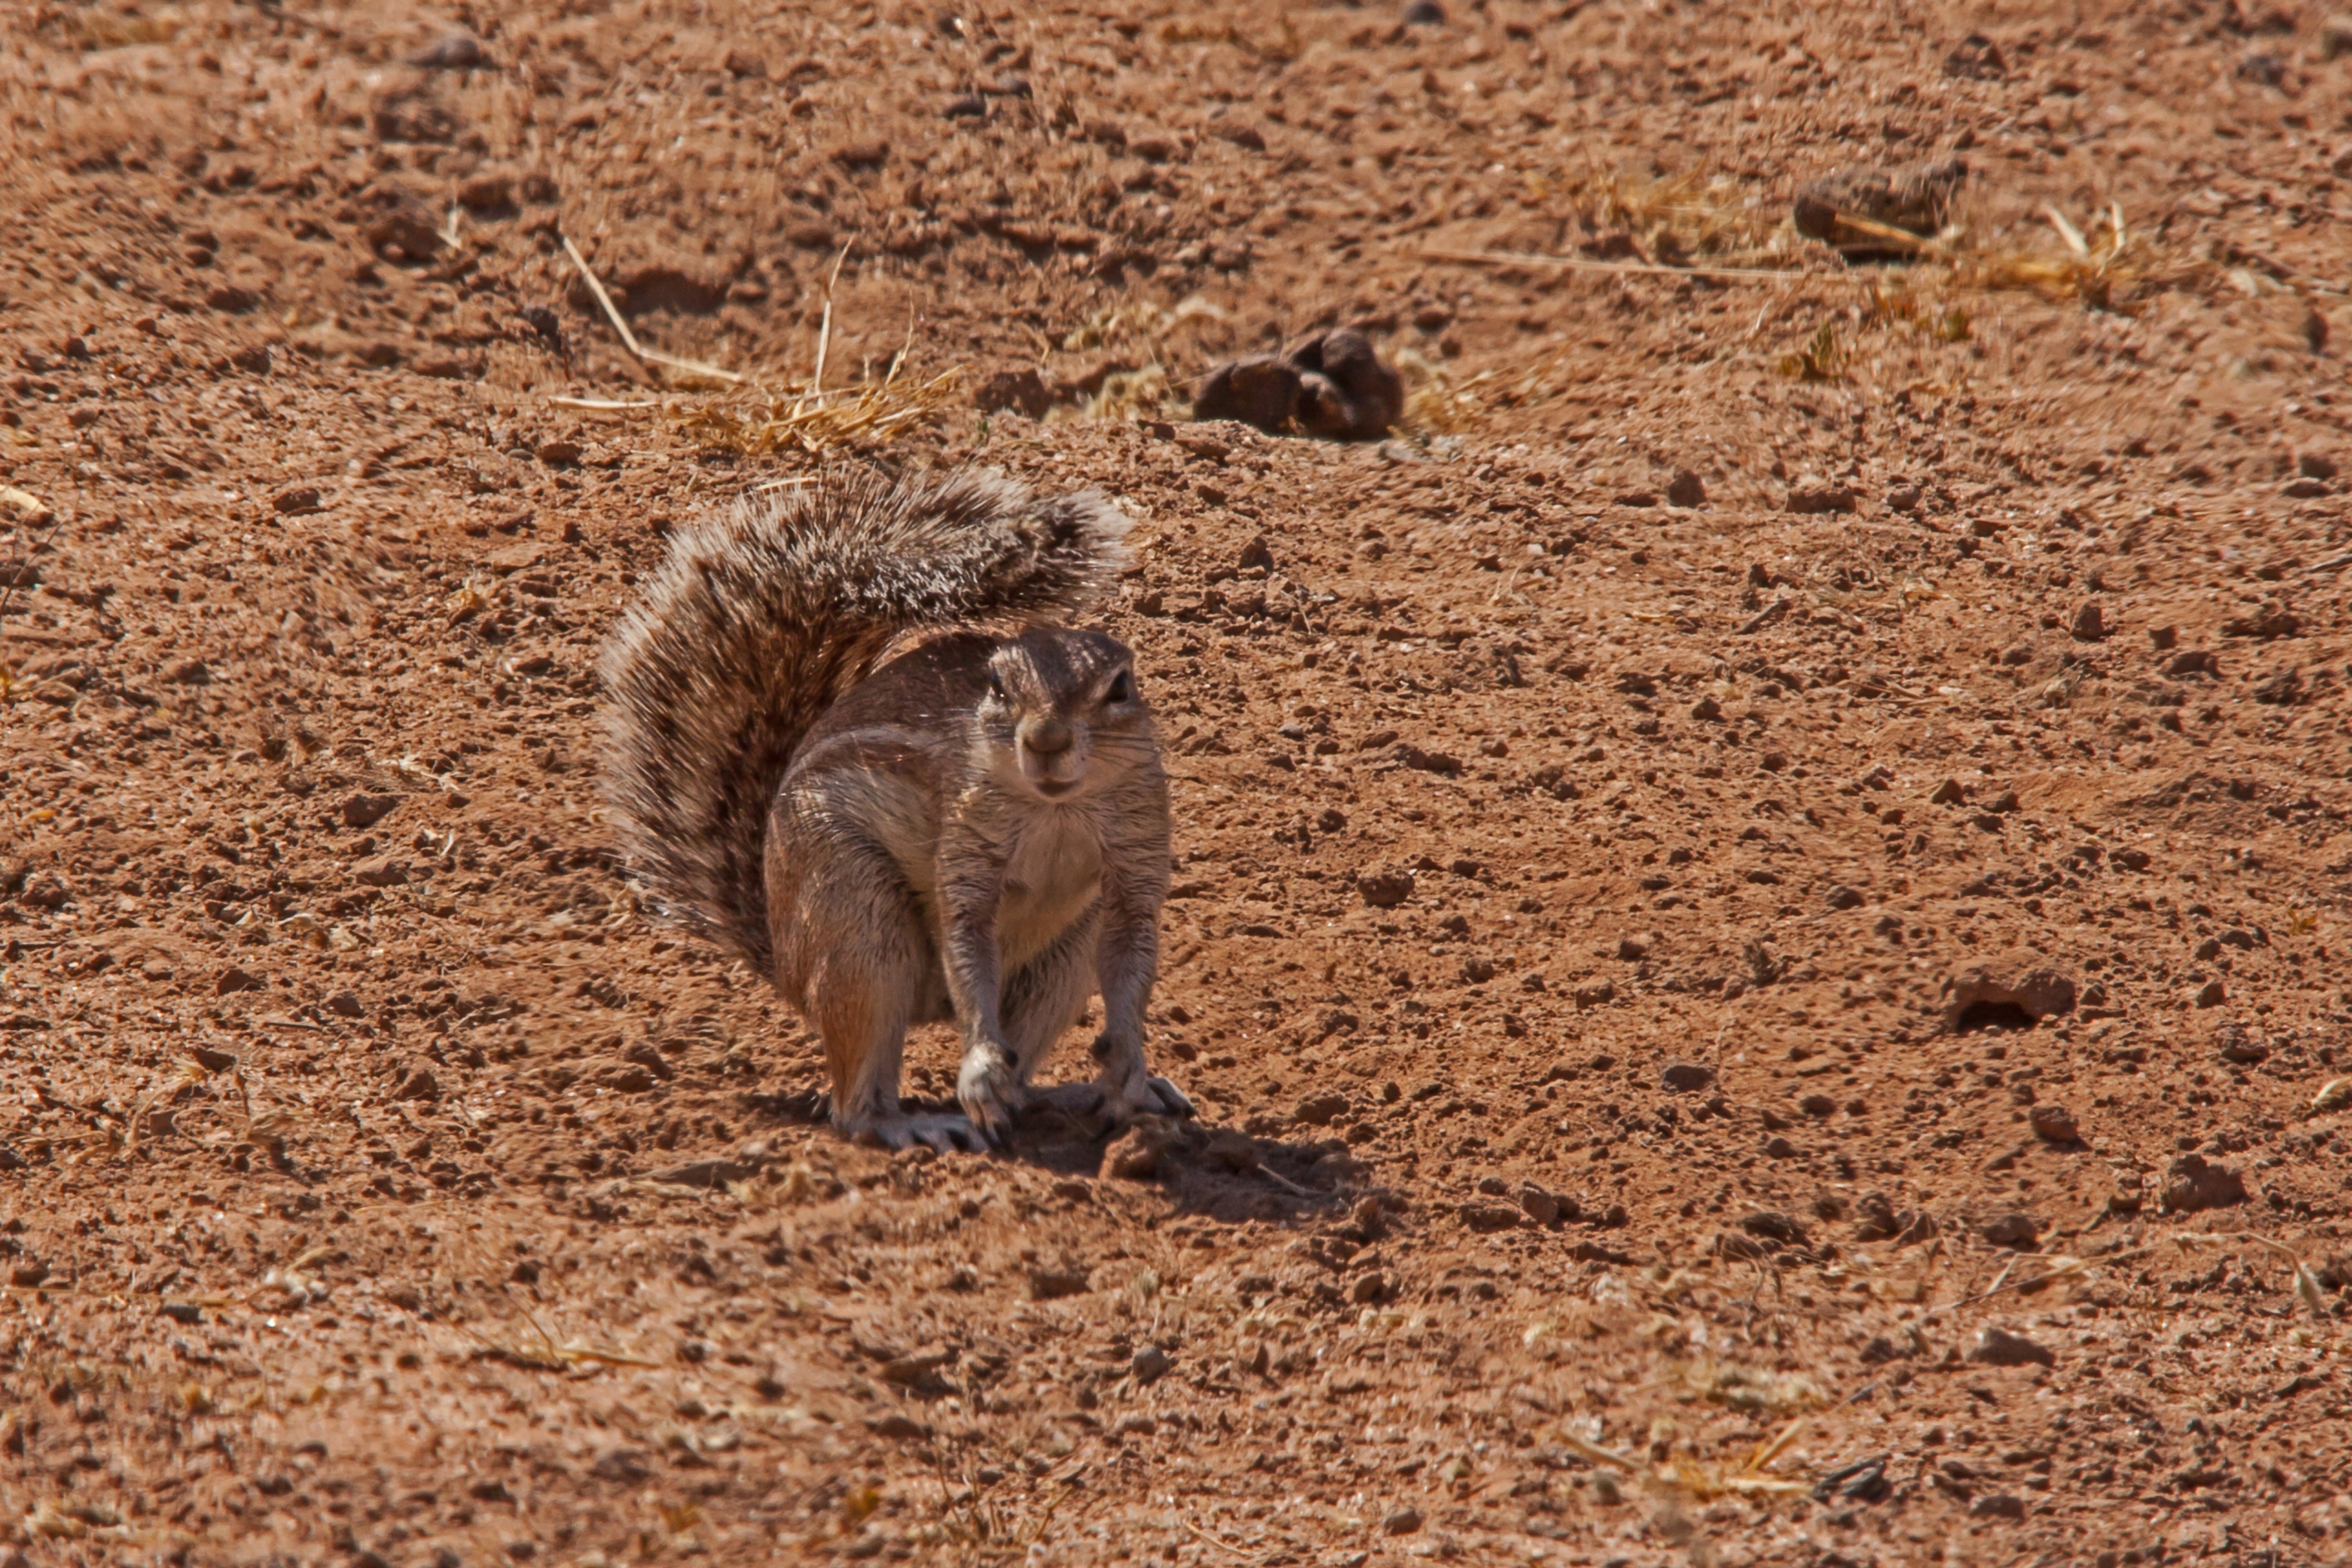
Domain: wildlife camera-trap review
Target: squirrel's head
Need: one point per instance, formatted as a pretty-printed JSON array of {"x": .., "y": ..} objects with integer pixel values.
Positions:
[{"x": 1063, "y": 714}]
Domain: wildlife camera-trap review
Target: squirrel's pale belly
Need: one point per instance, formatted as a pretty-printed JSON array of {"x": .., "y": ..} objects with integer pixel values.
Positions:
[{"x": 1053, "y": 874}]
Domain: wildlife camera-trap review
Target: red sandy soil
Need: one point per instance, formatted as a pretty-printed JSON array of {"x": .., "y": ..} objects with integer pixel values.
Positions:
[{"x": 1577, "y": 896}]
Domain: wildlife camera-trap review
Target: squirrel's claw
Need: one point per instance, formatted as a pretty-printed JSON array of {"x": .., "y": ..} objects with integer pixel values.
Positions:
[
  {"x": 947, "y": 1133},
  {"x": 990, "y": 1091},
  {"x": 1171, "y": 1098}
]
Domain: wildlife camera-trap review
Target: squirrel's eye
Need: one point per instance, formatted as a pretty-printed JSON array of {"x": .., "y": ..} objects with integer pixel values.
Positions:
[
  {"x": 995, "y": 684},
  {"x": 1122, "y": 689}
]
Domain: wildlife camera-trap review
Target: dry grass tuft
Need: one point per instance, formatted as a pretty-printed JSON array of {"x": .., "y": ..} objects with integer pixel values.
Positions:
[
  {"x": 1145, "y": 394},
  {"x": 1751, "y": 1387},
  {"x": 814, "y": 422},
  {"x": 1156, "y": 342},
  {"x": 1435, "y": 402},
  {"x": 1715, "y": 226},
  {"x": 758, "y": 420},
  {"x": 1281, "y": 46},
  {"x": 2104, "y": 269},
  {"x": 1676, "y": 218},
  {"x": 1689, "y": 1478},
  {"x": 1142, "y": 326},
  {"x": 1824, "y": 359}
]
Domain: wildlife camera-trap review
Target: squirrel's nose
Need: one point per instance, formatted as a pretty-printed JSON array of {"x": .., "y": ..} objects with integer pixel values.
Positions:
[{"x": 1047, "y": 737}]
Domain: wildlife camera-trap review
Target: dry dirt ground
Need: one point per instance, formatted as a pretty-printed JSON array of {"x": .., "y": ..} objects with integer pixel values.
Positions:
[{"x": 1725, "y": 1032}]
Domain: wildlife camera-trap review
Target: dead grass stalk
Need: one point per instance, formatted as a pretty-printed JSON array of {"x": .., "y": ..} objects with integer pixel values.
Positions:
[{"x": 765, "y": 421}]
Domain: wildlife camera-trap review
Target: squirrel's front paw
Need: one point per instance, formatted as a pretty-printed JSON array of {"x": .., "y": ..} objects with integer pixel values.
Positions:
[{"x": 991, "y": 1090}]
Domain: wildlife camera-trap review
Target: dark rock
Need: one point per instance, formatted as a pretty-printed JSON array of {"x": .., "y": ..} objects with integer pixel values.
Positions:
[
  {"x": 406, "y": 109},
  {"x": 1874, "y": 1218},
  {"x": 1993, "y": 1346},
  {"x": 2016, "y": 1230},
  {"x": 2241, "y": 1047},
  {"x": 1914, "y": 200},
  {"x": 1135, "y": 1155},
  {"x": 1686, "y": 1077},
  {"x": 391, "y": 216},
  {"x": 1918, "y": 1225},
  {"x": 1487, "y": 1218},
  {"x": 2090, "y": 624},
  {"x": 629, "y": 1467},
  {"x": 1997, "y": 1505},
  {"x": 1345, "y": 392},
  {"x": 1319, "y": 1110},
  {"x": 1844, "y": 898},
  {"x": 2023, "y": 980},
  {"x": 1018, "y": 389},
  {"x": 1151, "y": 1364},
  {"x": 234, "y": 980},
  {"x": 1053, "y": 1284},
  {"x": 1385, "y": 889},
  {"x": 1865, "y": 1481},
  {"x": 1770, "y": 1224},
  {"x": 486, "y": 193},
  {"x": 1538, "y": 1205},
  {"x": 1976, "y": 58},
  {"x": 380, "y": 871},
  {"x": 1815, "y": 498},
  {"x": 2192, "y": 1185},
  {"x": 1404, "y": 1521},
  {"x": 1686, "y": 490},
  {"x": 1779, "y": 1148},
  {"x": 2267, "y": 623},
  {"x": 1261, "y": 391},
  {"x": 367, "y": 810},
  {"x": 420, "y": 1084},
  {"x": 453, "y": 52},
  {"x": 2055, "y": 1124}
]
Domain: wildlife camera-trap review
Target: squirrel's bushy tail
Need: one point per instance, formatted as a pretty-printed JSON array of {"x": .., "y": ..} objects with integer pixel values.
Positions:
[{"x": 765, "y": 614}]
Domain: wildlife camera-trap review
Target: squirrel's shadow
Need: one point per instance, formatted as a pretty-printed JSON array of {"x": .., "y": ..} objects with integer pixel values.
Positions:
[{"x": 1215, "y": 1172}]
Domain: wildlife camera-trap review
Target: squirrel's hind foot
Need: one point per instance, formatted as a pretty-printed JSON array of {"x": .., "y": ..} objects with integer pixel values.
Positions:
[
  {"x": 1172, "y": 1099},
  {"x": 1099, "y": 1101},
  {"x": 947, "y": 1133}
]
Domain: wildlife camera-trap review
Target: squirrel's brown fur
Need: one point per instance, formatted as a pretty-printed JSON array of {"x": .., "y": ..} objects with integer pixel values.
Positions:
[{"x": 847, "y": 738}]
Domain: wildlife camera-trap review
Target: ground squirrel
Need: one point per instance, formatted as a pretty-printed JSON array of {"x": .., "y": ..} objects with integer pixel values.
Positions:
[{"x": 848, "y": 738}]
